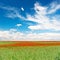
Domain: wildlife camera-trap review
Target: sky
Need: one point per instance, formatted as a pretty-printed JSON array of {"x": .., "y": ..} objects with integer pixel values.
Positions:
[{"x": 29, "y": 20}]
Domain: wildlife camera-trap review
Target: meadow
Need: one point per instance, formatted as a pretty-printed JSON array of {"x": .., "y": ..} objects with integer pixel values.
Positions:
[
  {"x": 6, "y": 42},
  {"x": 30, "y": 53}
]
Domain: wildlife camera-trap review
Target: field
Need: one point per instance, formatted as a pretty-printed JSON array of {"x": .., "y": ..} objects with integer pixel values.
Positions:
[{"x": 31, "y": 52}]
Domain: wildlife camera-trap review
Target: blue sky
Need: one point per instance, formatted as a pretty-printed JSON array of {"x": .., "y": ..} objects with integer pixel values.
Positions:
[{"x": 36, "y": 20}]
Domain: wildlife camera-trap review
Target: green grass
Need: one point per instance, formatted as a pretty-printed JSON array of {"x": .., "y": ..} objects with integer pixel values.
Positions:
[
  {"x": 6, "y": 42},
  {"x": 30, "y": 53}
]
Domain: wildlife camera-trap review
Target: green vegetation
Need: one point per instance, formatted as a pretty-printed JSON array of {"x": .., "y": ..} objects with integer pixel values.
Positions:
[
  {"x": 30, "y": 53},
  {"x": 6, "y": 42},
  {"x": 58, "y": 56}
]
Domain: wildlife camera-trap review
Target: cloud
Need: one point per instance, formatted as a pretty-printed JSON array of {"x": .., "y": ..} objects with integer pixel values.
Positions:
[
  {"x": 13, "y": 12},
  {"x": 7, "y": 8},
  {"x": 13, "y": 30},
  {"x": 39, "y": 9},
  {"x": 42, "y": 16},
  {"x": 10, "y": 35},
  {"x": 18, "y": 25},
  {"x": 13, "y": 35},
  {"x": 54, "y": 7},
  {"x": 22, "y": 8},
  {"x": 44, "y": 21}
]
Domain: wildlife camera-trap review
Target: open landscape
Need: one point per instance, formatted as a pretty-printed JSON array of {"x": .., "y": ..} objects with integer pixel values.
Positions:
[
  {"x": 25, "y": 50},
  {"x": 29, "y": 29}
]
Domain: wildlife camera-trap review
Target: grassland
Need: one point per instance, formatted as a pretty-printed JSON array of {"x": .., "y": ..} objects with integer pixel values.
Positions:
[
  {"x": 6, "y": 42},
  {"x": 30, "y": 53}
]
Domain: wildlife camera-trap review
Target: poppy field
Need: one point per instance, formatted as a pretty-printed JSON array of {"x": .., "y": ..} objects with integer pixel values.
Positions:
[{"x": 29, "y": 52}]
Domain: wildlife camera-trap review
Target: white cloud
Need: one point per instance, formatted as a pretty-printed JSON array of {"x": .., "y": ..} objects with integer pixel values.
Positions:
[
  {"x": 22, "y": 8},
  {"x": 53, "y": 7},
  {"x": 13, "y": 30},
  {"x": 13, "y": 12},
  {"x": 10, "y": 35},
  {"x": 41, "y": 18},
  {"x": 18, "y": 36},
  {"x": 44, "y": 21},
  {"x": 7, "y": 7},
  {"x": 10, "y": 15},
  {"x": 18, "y": 25},
  {"x": 36, "y": 27},
  {"x": 39, "y": 9}
]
